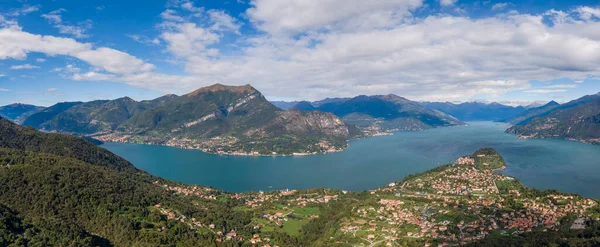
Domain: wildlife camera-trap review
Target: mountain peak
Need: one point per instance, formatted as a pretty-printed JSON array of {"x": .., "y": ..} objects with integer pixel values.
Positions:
[
  {"x": 221, "y": 87},
  {"x": 553, "y": 103},
  {"x": 126, "y": 99},
  {"x": 394, "y": 98}
]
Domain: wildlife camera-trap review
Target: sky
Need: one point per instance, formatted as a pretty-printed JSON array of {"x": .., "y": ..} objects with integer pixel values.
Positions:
[{"x": 515, "y": 52}]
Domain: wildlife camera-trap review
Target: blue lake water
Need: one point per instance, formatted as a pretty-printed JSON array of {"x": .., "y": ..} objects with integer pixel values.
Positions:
[{"x": 373, "y": 162}]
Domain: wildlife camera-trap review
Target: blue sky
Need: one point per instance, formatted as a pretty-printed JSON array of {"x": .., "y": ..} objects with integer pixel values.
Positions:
[{"x": 446, "y": 50}]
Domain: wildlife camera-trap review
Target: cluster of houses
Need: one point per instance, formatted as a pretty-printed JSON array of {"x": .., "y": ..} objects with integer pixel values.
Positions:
[
  {"x": 301, "y": 201},
  {"x": 425, "y": 201},
  {"x": 199, "y": 191}
]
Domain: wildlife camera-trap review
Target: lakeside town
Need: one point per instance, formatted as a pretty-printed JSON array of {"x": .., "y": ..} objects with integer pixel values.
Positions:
[
  {"x": 456, "y": 204},
  {"x": 222, "y": 145}
]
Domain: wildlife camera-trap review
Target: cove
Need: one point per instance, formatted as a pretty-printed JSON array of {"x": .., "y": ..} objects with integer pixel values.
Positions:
[{"x": 369, "y": 163}]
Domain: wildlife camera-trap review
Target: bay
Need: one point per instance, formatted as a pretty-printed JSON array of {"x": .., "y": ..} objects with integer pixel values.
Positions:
[{"x": 373, "y": 162}]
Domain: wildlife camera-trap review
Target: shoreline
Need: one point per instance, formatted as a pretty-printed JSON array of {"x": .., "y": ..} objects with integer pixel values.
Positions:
[{"x": 234, "y": 154}]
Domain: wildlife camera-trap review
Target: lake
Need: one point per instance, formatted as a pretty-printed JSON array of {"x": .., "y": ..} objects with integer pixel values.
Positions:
[{"x": 369, "y": 163}]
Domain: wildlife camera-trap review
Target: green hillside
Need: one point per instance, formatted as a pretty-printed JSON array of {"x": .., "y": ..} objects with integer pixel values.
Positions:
[
  {"x": 217, "y": 119},
  {"x": 577, "y": 120}
]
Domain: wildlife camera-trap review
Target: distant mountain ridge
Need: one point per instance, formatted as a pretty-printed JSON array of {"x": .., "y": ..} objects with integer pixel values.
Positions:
[
  {"x": 218, "y": 119},
  {"x": 476, "y": 111},
  {"x": 19, "y": 112},
  {"x": 381, "y": 113},
  {"x": 577, "y": 120},
  {"x": 532, "y": 112}
]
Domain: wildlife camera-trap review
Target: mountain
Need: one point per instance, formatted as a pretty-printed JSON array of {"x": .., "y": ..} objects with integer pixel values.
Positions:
[
  {"x": 59, "y": 190},
  {"x": 18, "y": 112},
  {"x": 304, "y": 106},
  {"x": 94, "y": 117},
  {"x": 476, "y": 111},
  {"x": 576, "y": 120},
  {"x": 382, "y": 113},
  {"x": 284, "y": 105},
  {"x": 532, "y": 112},
  {"x": 231, "y": 119},
  {"x": 319, "y": 103},
  {"x": 217, "y": 119},
  {"x": 28, "y": 139},
  {"x": 37, "y": 119}
]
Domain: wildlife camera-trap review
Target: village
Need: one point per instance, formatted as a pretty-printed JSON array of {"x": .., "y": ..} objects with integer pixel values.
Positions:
[{"x": 451, "y": 205}]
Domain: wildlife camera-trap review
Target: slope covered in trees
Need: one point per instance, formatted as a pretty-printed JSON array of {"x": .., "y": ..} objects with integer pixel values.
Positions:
[
  {"x": 576, "y": 120},
  {"x": 215, "y": 119}
]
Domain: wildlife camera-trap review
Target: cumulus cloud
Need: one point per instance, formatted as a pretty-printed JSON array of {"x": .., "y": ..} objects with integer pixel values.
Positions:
[
  {"x": 24, "y": 66},
  {"x": 16, "y": 44},
  {"x": 187, "y": 36}
]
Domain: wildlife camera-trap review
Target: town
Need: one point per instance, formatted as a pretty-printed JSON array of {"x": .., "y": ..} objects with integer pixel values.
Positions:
[{"x": 451, "y": 205}]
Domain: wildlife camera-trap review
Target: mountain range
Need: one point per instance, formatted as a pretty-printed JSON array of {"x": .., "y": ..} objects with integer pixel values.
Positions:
[
  {"x": 18, "y": 112},
  {"x": 381, "y": 113},
  {"x": 239, "y": 120},
  {"x": 218, "y": 119},
  {"x": 476, "y": 111},
  {"x": 575, "y": 120}
]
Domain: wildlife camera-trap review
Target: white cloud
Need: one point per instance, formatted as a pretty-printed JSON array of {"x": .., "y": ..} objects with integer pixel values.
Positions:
[
  {"x": 587, "y": 13},
  {"x": 113, "y": 61},
  {"x": 26, "y": 9},
  {"x": 40, "y": 60},
  {"x": 185, "y": 37},
  {"x": 15, "y": 43},
  {"x": 171, "y": 15},
  {"x": 223, "y": 21},
  {"x": 6, "y": 23},
  {"x": 447, "y": 2},
  {"x": 189, "y": 6},
  {"x": 24, "y": 66},
  {"x": 316, "y": 49},
  {"x": 544, "y": 91},
  {"x": 562, "y": 86},
  {"x": 499, "y": 6},
  {"x": 78, "y": 31},
  {"x": 143, "y": 39},
  {"x": 4, "y": 90},
  {"x": 291, "y": 16}
]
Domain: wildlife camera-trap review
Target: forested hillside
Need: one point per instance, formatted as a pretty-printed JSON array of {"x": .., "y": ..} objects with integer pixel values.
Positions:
[
  {"x": 216, "y": 119},
  {"x": 577, "y": 120}
]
